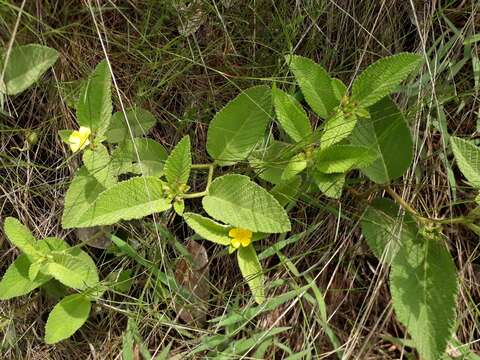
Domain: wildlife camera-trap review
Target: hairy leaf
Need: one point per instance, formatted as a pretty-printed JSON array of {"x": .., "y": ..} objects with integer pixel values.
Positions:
[
  {"x": 208, "y": 229},
  {"x": 339, "y": 89},
  {"x": 315, "y": 84},
  {"x": 337, "y": 128},
  {"x": 270, "y": 160},
  {"x": 387, "y": 133},
  {"x": 21, "y": 237},
  {"x": 329, "y": 184},
  {"x": 99, "y": 165},
  {"x": 25, "y": 66},
  {"x": 238, "y": 201},
  {"x": 382, "y": 77},
  {"x": 252, "y": 272},
  {"x": 467, "y": 156},
  {"x": 66, "y": 318},
  {"x": 139, "y": 120},
  {"x": 295, "y": 166},
  {"x": 291, "y": 116},
  {"x": 126, "y": 200},
  {"x": 178, "y": 164},
  {"x": 239, "y": 126},
  {"x": 342, "y": 158}
]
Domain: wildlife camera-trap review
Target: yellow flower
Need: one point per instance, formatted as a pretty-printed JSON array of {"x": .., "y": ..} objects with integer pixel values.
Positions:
[
  {"x": 78, "y": 140},
  {"x": 239, "y": 237}
]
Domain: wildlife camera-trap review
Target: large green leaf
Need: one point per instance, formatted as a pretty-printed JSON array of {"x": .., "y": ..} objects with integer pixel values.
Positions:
[
  {"x": 70, "y": 270},
  {"x": 139, "y": 120},
  {"x": 315, "y": 84},
  {"x": 387, "y": 133},
  {"x": 270, "y": 160},
  {"x": 295, "y": 166},
  {"x": 21, "y": 237},
  {"x": 239, "y": 126},
  {"x": 126, "y": 200},
  {"x": 179, "y": 163},
  {"x": 94, "y": 106},
  {"x": 25, "y": 66},
  {"x": 66, "y": 318},
  {"x": 141, "y": 156},
  {"x": 329, "y": 184},
  {"x": 82, "y": 192},
  {"x": 15, "y": 282},
  {"x": 382, "y": 77},
  {"x": 291, "y": 116},
  {"x": 238, "y": 201},
  {"x": 337, "y": 128},
  {"x": 467, "y": 156},
  {"x": 424, "y": 286},
  {"x": 342, "y": 158},
  {"x": 99, "y": 165},
  {"x": 386, "y": 227},
  {"x": 208, "y": 229},
  {"x": 252, "y": 272}
]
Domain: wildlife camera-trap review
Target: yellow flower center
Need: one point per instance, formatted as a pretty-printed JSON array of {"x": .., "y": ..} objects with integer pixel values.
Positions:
[
  {"x": 240, "y": 237},
  {"x": 79, "y": 139}
]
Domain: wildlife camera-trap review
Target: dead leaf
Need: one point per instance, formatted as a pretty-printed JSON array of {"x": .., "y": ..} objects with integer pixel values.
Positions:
[
  {"x": 97, "y": 236},
  {"x": 192, "y": 274}
]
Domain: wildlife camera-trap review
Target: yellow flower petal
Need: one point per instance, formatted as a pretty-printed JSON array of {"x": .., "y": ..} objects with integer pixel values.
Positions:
[
  {"x": 235, "y": 243},
  {"x": 78, "y": 140},
  {"x": 239, "y": 237}
]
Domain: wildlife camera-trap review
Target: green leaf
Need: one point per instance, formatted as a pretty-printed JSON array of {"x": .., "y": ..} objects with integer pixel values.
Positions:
[
  {"x": 16, "y": 282},
  {"x": 21, "y": 237},
  {"x": 126, "y": 200},
  {"x": 387, "y": 133},
  {"x": 342, "y": 158},
  {"x": 315, "y": 84},
  {"x": 239, "y": 126},
  {"x": 178, "y": 164},
  {"x": 295, "y": 166},
  {"x": 208, "y": 229},
  {"x": 139, "y": 120},
  {"x": 339, "y": 89},
  {"x": 238, "y": 201},
  {"x": 337, "y": 128},
  {"x": 70, "y": 270},
  {"x": 424, "y": 287},
  {"x": 99, "y": 165},
  {"x": 140, "y": 156},
  {"x": 25, "y": 66},
  {"x": 252, "y": 272},
  {"x": 82, "y": 192},
  {"x": 66, "y": 318},
  {"x": 291, "y": 116},
  {"x": 94, "y": 107},
  {"x": 269, "y": 161},
  {"x": 467, "y": 156},
  {"x": 386, "y": 227},
  {"x": 382, "y": 77},
  {"x": 286, "y": 192},
  {"x": 329, "y": 184}
]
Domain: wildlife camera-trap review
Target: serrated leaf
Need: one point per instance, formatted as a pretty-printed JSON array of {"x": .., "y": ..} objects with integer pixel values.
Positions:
[
  {"x": 291, "y": 116},
  {"x": 139, "y": 120},
  {"x": 99, "y": 165},
  {"x": 252, "y": 272},
  {"x": 25, "y": 66},
  {"x": 424, "y": 286},
  {"x": 179, "y": 162},
  {"x": 21, "y": 237},
  {"x": 295, "y": 166},
  {"x": 66, "y": 318},
  {"x": 339, "y": 89},
  {"x": 16, "y": 282},
  {"x": 329, "y": 184},
  {"x": 342, "y": 158},
  {"x": 82, "y": 192},
  {"x": 315, "y": 84},
  {"x": 388, "y": 134},
  {"x": 337, "y": 128},
  {"x": 94, "y": 107},
  {"x": 382, "y": 77},
  {"x": 208, "y": 229},
  {"x": 467, "y": 156},
  {"x": 126, "y": 200},
  {"x": 239, "y": 126},
  {"x": 140, "y": 156},
  {"x": 70, "y": 270},
  {"x": 386, "y": 228},
  {"x": 238, "y": 201}
]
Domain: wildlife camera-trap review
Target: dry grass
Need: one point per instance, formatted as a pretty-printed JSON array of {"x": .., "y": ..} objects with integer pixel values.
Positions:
[{"x": 183, "y": 79}]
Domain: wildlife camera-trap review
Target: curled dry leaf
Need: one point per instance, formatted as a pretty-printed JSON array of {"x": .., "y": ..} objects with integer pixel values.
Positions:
[{"x": 192, "y": 274}]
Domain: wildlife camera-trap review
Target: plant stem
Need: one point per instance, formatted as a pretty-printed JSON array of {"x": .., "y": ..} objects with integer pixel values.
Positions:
[{"x": 211, "y": 168}]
